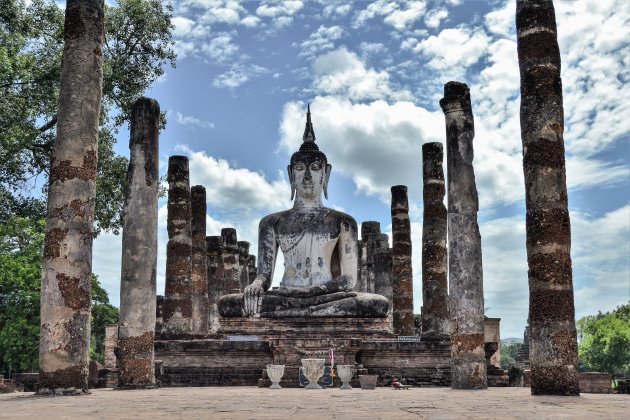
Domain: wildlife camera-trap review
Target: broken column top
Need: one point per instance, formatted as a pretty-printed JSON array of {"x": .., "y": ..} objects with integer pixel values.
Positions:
[
  {"x": 399, "y": 197},
  {"x": 177, "y": 168},
  {"x": 370, "y": 227},
  {"x": 243, "y": 247},
  {"x": 145, "y": 110},
  {"x": 229, "y": 236},
  {"x": 456, "y": 97},
  {"x": 197, "y": 190},
  {"x": 433, "y": 151}
]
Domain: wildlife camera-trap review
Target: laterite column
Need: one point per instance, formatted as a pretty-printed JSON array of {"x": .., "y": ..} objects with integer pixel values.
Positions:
[{"x": 553, "y": 352}]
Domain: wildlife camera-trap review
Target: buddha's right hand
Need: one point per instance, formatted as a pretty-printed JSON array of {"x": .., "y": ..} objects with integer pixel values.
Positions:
[{"x": 252, "y": 296}]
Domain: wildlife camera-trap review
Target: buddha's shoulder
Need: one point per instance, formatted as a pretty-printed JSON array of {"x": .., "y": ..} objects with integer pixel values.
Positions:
[
  {"x": 341, "y": 217},
  {"x": 273, "y": 218}
]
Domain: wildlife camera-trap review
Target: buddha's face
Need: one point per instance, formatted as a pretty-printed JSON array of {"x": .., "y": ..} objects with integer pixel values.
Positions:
[{"x": 309, "y": 177}]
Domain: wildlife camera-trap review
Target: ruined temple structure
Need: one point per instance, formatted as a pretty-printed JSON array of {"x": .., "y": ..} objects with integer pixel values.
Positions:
[
  {"x": 553, "y": 350},
  {"x": 356, "y": 319}
]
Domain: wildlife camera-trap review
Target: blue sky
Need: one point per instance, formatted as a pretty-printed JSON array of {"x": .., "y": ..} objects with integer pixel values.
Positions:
[{"x": 374, "y": 72}]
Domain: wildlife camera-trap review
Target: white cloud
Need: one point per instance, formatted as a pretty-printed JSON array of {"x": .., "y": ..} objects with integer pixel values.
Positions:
[
  {"x": 501, "y": 21},
  {"x": 183, "y": 48},
  {"x": 400, "y": 14},
  {"x": 238, "y": 75},
  {"x": 250, "y": 21},
  {"x": 407, "y": 15},
  {"x": 220, "y": 48},
  {"x": 187, "y": 120},
  {"x": 434, "y": 17},
  {"x": 336, "y": 9},
  {"x": 183, "y": 26},
  {"x": 277, "y": 8},
  {"x": 236, "y": 189},
  {"x": 321, "y": 40},
  {"x": 595, "y": 71},
  {"x": 342, "y": 72},
  {"x": 371, "y": 47},
  {"x": 454, "y": 50}
]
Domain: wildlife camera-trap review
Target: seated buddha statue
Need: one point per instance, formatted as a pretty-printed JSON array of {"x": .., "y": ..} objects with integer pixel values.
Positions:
[{"x": 319, "y": 245}]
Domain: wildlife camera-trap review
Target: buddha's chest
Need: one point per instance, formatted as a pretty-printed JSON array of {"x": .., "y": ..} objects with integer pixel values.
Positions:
[{"x": 317, "y": 226}]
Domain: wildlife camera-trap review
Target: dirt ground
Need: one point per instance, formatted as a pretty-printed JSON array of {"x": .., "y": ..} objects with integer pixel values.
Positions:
[{"x": 255, "y": 403}]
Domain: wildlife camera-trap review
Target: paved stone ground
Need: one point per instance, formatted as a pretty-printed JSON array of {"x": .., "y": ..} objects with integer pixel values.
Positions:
[{"x": 255, "y": 403}]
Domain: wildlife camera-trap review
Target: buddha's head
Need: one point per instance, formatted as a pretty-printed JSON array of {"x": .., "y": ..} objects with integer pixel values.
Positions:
[{"x": 309, "y": 169}]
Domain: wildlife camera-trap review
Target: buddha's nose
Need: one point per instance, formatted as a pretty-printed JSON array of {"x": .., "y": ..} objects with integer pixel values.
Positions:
[{"x": 307, "y": 174}]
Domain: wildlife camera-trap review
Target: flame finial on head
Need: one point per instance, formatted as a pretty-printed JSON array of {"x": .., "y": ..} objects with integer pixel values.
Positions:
[{"x": 309, "y": 133}]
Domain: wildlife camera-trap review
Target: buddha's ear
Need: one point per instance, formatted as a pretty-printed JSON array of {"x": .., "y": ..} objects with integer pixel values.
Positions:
[
  {"x": 291, "y": 181},
  {"x": 326, "y": 177}
]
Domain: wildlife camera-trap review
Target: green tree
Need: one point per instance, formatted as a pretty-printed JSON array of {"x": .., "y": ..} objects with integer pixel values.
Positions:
[
  {"x": 21, "y": 242},
  {"x": 604, "y": 341},
  {"x": 509, "y": 351},
  {"x": 137, "y": 46},
  {"x": 103, "y": 314}
]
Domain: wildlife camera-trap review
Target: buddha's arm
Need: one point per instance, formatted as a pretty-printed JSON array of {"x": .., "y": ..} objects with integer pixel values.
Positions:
[
  {"x": 348, "y": 252},
  {"x": 267, "y": 251}
]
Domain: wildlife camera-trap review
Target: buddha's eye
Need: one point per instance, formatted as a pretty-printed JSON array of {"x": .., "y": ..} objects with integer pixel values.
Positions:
[
  {"x": 300, "y": 166},
  {"x": 316, "y": 166}
]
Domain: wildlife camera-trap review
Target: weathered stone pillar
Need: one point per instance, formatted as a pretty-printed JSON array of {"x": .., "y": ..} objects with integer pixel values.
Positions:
[
  {"x": 67, "y": 260},
  {"x": 111, "y": 342},
  {"x": 251, "y": 268},
  {"x": 402, "y": 274},
  {"x": 199, "y": 276},
  {"x": 243, "y": 256},
  {"x": 177, "y": 317},
  {"x": 215, "y": 279},
  {"x": 435, "y": 319},
  {"x": 383, "y": 272},
  {"x": 464, "y": 243},
  {"x": 365, "y": 280},
  {"x": 553, "y": 344},
  {"x": 139, "y": 250},
  {"x": 231, "y": 272}
]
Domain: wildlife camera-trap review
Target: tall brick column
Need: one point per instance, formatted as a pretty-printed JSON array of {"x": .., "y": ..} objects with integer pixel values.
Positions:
[
  {"x": 231, "y": 271},
  {"x": 177, "y": 316},
  {"x": 199, "y": 277},
  {"x": 553, "y": 351},
  {"x": 435, "y": 319},
  {"x": 402, "y": 274},
  {"x": 215, "y": 279},
  {"x": 139, "y": 250},
  {"x": 464, "y": 243}
]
